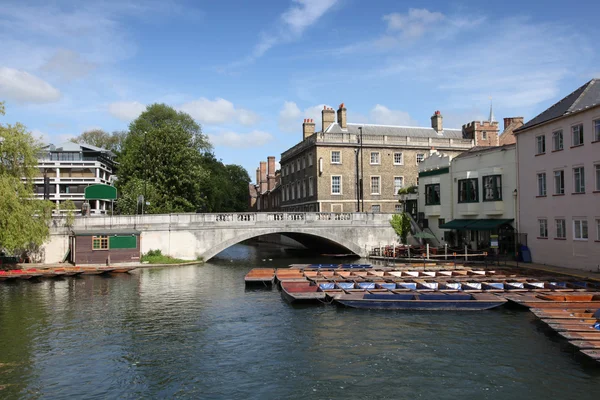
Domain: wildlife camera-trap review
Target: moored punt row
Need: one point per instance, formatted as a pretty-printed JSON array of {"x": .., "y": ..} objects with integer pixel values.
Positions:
[
  {"x": 420, "y": 301},
  {"x": 264, "y": 276},
  {"x": 34, "y": 273},
  {"x": 556, "y": 300}
]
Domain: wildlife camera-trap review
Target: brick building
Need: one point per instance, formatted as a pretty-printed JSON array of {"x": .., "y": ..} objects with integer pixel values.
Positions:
[{"x": 265, "y": 194}]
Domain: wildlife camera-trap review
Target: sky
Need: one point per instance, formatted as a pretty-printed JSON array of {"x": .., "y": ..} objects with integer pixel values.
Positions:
[{"x": 250, "y": 72}]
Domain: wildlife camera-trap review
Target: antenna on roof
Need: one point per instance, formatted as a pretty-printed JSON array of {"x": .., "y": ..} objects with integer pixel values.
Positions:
[{"x": 491, "y": 119}]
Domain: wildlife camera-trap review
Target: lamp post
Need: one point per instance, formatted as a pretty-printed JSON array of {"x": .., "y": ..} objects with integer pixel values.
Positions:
[
  {"x": 362, "y": 196},
  {"x": 145, "y": 170},
  {"x": 357, "y": 186}
]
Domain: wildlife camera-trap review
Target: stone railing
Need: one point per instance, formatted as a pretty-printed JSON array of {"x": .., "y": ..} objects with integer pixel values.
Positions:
[{"x": 227, "y": 219}]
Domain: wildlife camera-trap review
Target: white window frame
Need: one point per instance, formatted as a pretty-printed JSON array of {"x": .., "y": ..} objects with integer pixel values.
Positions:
[
  {"x": 540, "y": 144},
  {"x": 398, "y": 208},
  {"x": 560, "y": 224},
  {"x": 596, "y": 125},
  {"x": 339, "y": 153},
  {"x": 378, "y": 158},
  {"x": 598, "y": 229},
  {"x": 558, "y": 142},
  {"x": 417, "y": 158},
  {"x": 340, "y": 185},
  {"x": 580, "y": 229},
  {"x": 543, "y": 228},
  {"x": 378, "y": 178},
  {"x": 401, "y": 186},
  {"x": 401, "y": 158},
  {"x": 577, "y": 132},
  {"x": 597, "y": 173},
  {"x": 559, "y": 189},
  {"x": 311, "y": 190},
  {"x": 541, "y": 184},
  {"x": 581, "y": 179}
]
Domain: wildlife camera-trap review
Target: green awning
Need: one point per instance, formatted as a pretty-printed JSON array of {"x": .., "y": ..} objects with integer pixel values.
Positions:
[
  {"x": 457, "y": 224},
  {"x": 487, "y": 224}
]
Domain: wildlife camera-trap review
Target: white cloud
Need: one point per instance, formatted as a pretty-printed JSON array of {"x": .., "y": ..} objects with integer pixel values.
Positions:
[
  {"x": 291, "y": 117},
  {"x": 23, "y": 87},
  {"x": 414, "y": 23},
  {"x": 240, "y": 140},
  {"x": 43, "y": 137},
  {"x": 218, "y": 111},
  {"x": 126, "y": 110},
  {"x": 68, "y": 65},
  {"x": 384, "y": 116}
]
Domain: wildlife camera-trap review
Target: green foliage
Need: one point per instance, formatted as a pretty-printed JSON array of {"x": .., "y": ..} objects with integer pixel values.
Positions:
[
  {"x": 70, "y": 208},
  {"x": 164, "y": 149},
  {"x": 156, "y": 257},
  {"x": 226, "y": 188},
  {"x": 128, "y": 198},
  {"x": 100, "y": 138},
  {"x": 408, "y": 190},
  {"x": 401, "y": 225},
  {"x": 23, "y": 220}
]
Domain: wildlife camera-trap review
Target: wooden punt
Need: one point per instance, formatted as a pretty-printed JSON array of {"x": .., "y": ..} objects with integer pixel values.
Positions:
[
  {"x": 588, "y": 336},
  {"x": 420, "y": 301},
  {"x": 260, "y": 276},
  {"x": 574, "y": 327},
  {"x": 564, "y": 300},
  {"x": 284, "y": 274},
  {"x": 586, "y": 344},
  {"x": 121, "y": 270},
  {"x": 301, "y": 292},
  {"x": 593, "y": 354}
]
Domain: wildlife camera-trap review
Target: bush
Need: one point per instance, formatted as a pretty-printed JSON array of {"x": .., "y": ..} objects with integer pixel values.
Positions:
[{"x": 154, "y": 253}]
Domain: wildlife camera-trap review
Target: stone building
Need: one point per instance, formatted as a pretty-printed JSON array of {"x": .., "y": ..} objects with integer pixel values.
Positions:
[
  {"x": 265, "y": 194},
  {"x": 349, "y": 167},
  {"x": 510, "y": 124}
]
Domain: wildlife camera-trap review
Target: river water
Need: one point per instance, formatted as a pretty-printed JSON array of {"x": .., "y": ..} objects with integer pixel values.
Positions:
[{"x": 195, "y": 332}]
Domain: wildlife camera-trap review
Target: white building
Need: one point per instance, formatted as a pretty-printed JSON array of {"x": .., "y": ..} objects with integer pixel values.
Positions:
[
  {"x": 71, "y": 167},
  {"x": 559, "y": 181},
  {"x": 468, "y": 198}
]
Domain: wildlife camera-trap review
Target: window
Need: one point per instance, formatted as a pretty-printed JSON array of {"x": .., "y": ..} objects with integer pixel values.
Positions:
[
  {"x": 597, "y": 168},
  {"x": 99, "y": 242},
  {"x": 579, "y": 179},
  {"x": 559, "y": 182},
  {"x": 596, "y": 130},
  {"x": 492, "y": 188},
  {"x": 541, "y": 179},
  {"x": 375, "y": 157},
  {"x": 432, "y": 194},
  {"x": 484, "y": 135},
  {"x": 580, "y": 229},
  {"x": 375, "y": 208},
  {"x": 540, "y": 142},
  {"x": 598, "y": 230},
  {"x": 468, "y": 191},
  {"x": 398, "y": 159},
  {"x": 292, "y": 167},
  {"x": 298, "y": 193},
  {"x": 336, "y": 157},
  {"x": 398, "y": 183},
  {"x": 336, "y": 184},
  {"x": 375, "y": 184},
  {"x": 293, "y": 190},
  {"x": 441, "y": 221},
  {"x": 311, "y": 190},
  {"x": 283, "y": 195},
  {"x": 298, "y": 165},
  {"x": 303, "y": 163},
  {"x": 577, "y": 132},
  {"x": 398, "y": 208},
  {"x": 310, "y": 161},
  {"x": 557, "y": 141},
  {"x": 420, "y": 157},
  {"x": 561, "y": 228},
  {"x": 304, "y": 188},
  {"x": 543, "y": 225}
]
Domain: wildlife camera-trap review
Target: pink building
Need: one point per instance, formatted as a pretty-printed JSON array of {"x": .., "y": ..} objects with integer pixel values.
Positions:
[{"x": 558, "y": 158}]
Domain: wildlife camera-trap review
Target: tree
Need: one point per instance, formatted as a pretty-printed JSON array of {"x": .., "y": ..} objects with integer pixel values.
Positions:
[
  {"x": 70, "y": 208},
  {"x": 401, "y": 225},
  {"x": 100, "y": 138},
  {"x": 226, "y": 188},
  {"x": 163, "y": 149},
  {"x": 23, "y": 220}
]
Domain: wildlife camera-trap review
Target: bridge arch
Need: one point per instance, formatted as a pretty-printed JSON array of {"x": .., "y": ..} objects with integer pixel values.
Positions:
[{"x": 240, "y": 236}]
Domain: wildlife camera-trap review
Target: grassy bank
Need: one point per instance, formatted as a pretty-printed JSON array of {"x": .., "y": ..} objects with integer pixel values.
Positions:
[{"x": 156, "y": 257}]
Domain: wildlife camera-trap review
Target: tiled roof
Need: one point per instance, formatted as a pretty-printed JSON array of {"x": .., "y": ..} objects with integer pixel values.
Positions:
[
  {"x": 584, "y": 97},
  {"x": 390, "y": 130}
]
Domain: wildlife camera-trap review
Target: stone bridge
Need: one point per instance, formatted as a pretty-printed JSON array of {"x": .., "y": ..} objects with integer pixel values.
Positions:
[{"x": 189, "y": 236}]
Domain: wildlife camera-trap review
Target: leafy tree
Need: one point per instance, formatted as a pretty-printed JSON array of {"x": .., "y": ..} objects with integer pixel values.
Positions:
[
  {"x": 401, "y": 225},
  {"x": 164, "y": 149},
  {"x": 226, "y": 189},
  {"x": 23, "y": 220},
  {"x": 70, "y": 208},
  {"x": 130, "y": 192},
  {"x": 100, "y": 138}
]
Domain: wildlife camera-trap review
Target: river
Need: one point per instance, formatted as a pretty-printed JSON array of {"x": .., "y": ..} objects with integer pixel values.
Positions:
[{"x": 195, "y": 332}]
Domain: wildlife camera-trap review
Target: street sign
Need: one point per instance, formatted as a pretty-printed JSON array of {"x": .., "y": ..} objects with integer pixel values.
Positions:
[{"x": 494, "y": 241}]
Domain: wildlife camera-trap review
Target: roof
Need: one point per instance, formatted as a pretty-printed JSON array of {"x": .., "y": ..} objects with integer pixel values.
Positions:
[
  {"x": 391, "y": 130},
  {"x": 476, "y": 224},
  {"x": 105, "y": 232},
  {"x": 484, "y": 149},
  {"x": 70, "y": 146},
  {"x": 583, "y": 98}
]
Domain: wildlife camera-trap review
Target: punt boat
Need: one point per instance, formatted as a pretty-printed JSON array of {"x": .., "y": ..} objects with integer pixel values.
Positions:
[
  {"x": 420, "y": 301},
  {"x": 261, "y": 276},
  {"x": 557, "y": 300},
  {"x": 301, "y": 292}
]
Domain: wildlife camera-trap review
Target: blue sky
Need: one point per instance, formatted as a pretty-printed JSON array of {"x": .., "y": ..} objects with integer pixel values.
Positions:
[{"x": 250, "y": 72}]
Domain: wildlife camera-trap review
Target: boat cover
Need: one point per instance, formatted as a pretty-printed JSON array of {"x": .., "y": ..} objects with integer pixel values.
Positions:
[
  {"x": 345, "y": 285},
  {"x": 407, "y": 285},
  {"x": 326, "y": 286},
  {"x": 369, "y": 285}
]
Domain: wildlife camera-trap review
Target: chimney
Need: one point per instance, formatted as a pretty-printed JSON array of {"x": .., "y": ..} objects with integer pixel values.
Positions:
[
  {"x": 270, "y": 173},
  {"x": 263, "y": 176},
  {"x": 327, "y": 117},
  {"x": 436, "y": 122},
  {"x": 341, "y": 116},
  {"x": 257, "y": 176},
  {"x": 510, "y": 120},
  {"x": 308, "y": 128}
]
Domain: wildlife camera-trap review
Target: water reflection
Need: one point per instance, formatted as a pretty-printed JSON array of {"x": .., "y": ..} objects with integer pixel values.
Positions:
[{"x": 196, "y": 332}]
